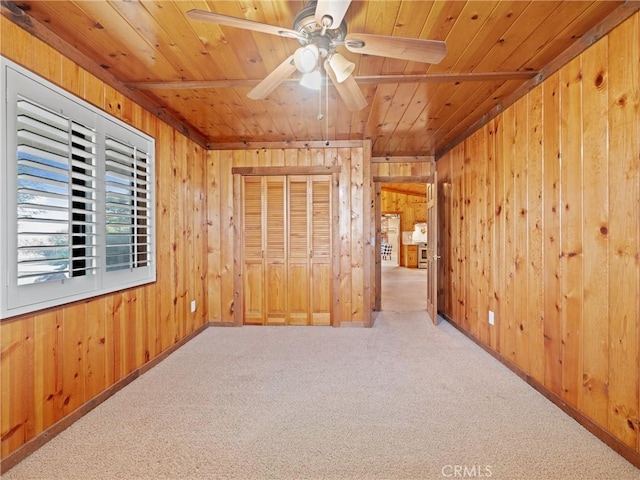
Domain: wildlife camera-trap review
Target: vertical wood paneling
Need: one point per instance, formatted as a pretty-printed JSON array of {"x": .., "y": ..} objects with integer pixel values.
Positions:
[
  {"x": 344, "y": 199},
  {"x": 47, "y": 369},
  {"x": 227, "y": 225},
  {"x": 45, "y": 61},
  {"x": 13, "y": 351},
  {"x": 565, "y": 238},
  {"x": 471, "y": 284},
  {"x": 534, "y": 268},
  {"x": 177, "y": 233},
  {"x": 214, "y": 234},
  {"x": 165, "y": 248},
  {"x": 571, "y": 226},
  {"x": 521, "y": 235},
  {"x": 624, "y": 216},
  {"x": 130, "y": 340},
  {"x": 552, "y": 236},
  {"x": 73, "y": 319},
  {"x": 507, "y": 323},
  {"x": 18, "y": 46},
  {"x": 595, "y": 357},
  {"x": 95, "y": 348},
  {"x": 368, "y": 229},
  {"x": 57, "y": 360},
  {"x": 499, "y": 234},
  {"x": 357, "y": 236},
  {"x": 114, "y": 318},
  {"x": 482, "y": 206},
  {"x": 458, "y": 190},
  {"x": 491, "y": 245}
]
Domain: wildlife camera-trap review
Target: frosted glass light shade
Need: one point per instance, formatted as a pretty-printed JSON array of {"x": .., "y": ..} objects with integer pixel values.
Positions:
[
  {"x": 341, "y": 67},
  {"x": 306, "y": 58},
  {"x": 312, "y": 80}
]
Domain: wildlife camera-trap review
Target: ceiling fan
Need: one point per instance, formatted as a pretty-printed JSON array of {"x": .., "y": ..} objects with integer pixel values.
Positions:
[{"x": 320, "y": 27}]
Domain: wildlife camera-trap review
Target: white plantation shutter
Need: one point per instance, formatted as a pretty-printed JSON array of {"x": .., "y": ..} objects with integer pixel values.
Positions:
[
  {"x": 43, "y": 249},
  {"x": 127, "y": 207},
  {"x": 56, "y": 194},
  {"x": 77, "y": 199},
  {"x": 84, "y": 230}
]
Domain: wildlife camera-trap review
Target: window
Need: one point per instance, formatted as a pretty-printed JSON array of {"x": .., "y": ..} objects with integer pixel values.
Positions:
[{"x": 77, "y": 204}]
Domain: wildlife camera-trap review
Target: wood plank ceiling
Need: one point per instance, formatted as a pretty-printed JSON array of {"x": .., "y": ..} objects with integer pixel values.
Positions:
[{"x": 422, "y": 112}]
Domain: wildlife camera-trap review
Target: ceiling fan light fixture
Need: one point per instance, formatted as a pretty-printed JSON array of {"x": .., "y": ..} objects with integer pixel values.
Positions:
[
  {"x": 312, "y": 80},
  {"x": 341, "y": 67},
  {"x": 306, "y": 58}
]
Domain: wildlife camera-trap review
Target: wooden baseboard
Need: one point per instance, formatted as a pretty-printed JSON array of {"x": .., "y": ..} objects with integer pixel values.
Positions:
[
  {"x": 35, "y": 443},
  {"x": 351, "y": 324},
  {"x": 223, "y": 324},
  {"x": 607, "y": 438}
]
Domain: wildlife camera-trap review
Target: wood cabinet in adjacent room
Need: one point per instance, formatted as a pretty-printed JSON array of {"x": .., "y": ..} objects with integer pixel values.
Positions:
[
  {"x": 409, "y": 257},
  {"x": 286, "y": 250}
]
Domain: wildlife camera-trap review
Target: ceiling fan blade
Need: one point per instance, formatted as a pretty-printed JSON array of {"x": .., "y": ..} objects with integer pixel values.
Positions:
[
  {"x": 335, "y": 10},
  {"x": 411, "y": 49},
  {"x": 226, "y": 20},
  {"x": 348, "y": 90},
  {"x": 271, "y": 81}
]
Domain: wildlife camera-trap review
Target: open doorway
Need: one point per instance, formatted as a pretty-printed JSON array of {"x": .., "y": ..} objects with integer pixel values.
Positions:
[{"x": 403, "y": 238}]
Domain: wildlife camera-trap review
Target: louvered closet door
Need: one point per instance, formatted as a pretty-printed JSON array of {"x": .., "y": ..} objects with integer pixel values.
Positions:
[
  {"x": 286, "y": 253},
  {"x": 275, "y": 259},
  {"x": 299, "y": 251},
  {"x": 253, "y": 251},
  {"x": 320, "y": 250}
]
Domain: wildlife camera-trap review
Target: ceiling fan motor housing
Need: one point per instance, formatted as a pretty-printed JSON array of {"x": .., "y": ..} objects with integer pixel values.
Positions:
[{"x": 325, "y": 39}]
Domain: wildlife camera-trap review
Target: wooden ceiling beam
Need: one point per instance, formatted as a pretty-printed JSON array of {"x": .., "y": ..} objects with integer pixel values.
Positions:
[
  {"x": 404, "y": 159},
  {"x": 361, "y": 80},
  {"x": 289, "y": 144}
]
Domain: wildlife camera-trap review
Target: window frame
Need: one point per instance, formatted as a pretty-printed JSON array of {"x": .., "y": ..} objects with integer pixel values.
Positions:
[{"x": 17, "y": 83}]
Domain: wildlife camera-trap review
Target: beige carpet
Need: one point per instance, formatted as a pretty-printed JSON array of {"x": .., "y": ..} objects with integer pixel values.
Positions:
[{"x": 402, "y": 400}]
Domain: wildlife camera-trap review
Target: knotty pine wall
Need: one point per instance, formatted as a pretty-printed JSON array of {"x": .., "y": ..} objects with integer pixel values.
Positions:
[
  {"x": 55, "y": 361},
  {"x": 405, "y": 205},
  {"x": 540, "y": 222},
  {"x": 394, "y": 168},
  {"x": 354, "y": 211}
]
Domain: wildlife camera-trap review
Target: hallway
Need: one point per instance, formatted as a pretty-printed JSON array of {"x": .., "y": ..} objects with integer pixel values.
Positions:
[{"x": 403, "y": 289}]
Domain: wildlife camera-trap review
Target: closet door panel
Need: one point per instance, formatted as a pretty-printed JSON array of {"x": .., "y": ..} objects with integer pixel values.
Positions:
[
  {"x": 298, "y": 254},
  {"x": 252, "y": 251},
  {"x": 286, "y": 250},
  {"x": 276, "y": 294},
  {"x": 275, "y": 234},
  {"x": 253, "y": 293},
  {"x": 320, "y": 260}
]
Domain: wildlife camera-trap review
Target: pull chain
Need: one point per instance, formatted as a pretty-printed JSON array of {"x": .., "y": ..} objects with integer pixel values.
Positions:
[
  {"x": 320, "y": 116},
  {"x": 326, "y": 108}
]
